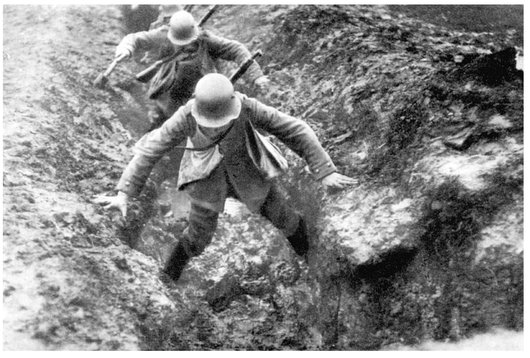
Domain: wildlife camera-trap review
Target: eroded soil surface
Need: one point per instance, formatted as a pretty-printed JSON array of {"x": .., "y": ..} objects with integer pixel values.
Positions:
[{"x": 428, "y": 247}]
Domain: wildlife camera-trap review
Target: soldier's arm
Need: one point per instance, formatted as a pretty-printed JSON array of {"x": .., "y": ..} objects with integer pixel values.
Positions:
[
  {"x": 142, "y": 41},
  {"x": 150, "y": 148},
  {"x": 296, "y": 134},
  {"x": 231, "y": 50}
]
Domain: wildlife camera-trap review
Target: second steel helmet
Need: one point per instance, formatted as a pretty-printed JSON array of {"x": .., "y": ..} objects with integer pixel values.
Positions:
[{"x": 182, "y": 28}]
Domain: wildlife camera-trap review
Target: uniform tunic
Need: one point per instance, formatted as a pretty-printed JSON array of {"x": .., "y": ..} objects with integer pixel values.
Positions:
[
  {"x": 210, "y": 176},
  {"x": 182, "y": 76},
  {"x": 201, "y": 172}
]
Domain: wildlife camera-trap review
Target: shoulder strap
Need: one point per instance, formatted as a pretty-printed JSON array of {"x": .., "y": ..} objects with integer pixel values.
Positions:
[{"x": 211, "y": 145}]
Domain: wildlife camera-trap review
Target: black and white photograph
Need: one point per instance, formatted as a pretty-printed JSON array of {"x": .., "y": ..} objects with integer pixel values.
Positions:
[{"x": 318, "y": 177}]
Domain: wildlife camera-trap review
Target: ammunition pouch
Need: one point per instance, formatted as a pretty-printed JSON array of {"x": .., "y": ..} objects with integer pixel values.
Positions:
[{"x": 264, "y": 154}]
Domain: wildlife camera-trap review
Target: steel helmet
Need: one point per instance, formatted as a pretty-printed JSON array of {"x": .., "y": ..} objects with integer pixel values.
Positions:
[
  {"x": 215, "y": 103},
  {"x": 182, "y": 28}
]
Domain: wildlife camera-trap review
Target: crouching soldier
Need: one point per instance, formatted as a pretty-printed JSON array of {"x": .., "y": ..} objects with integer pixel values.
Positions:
[
  {"x": 219, "y": 164},
  {"x": 199, "y": 49}
]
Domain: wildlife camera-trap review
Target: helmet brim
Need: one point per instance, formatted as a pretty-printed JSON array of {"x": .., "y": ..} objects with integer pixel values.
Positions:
[
  {"x": 210, "y": 120},
  {"x": 178, "y": 42}
]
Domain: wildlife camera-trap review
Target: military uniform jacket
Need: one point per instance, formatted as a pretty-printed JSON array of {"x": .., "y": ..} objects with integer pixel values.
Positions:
[
  {"x": 205, "y": 174},
  {"x": 186, "y": 73}
]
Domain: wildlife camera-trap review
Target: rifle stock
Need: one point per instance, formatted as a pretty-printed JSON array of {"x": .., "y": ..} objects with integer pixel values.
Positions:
[{"x": 147, "y": 74}]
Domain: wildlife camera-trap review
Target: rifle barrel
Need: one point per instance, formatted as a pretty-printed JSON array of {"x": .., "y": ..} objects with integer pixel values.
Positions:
[
  {"x": 244, "y": 67},
  {"x": 206, "y": 16}
]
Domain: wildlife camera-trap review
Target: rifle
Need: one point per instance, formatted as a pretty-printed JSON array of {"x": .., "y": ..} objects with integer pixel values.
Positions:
[
  {"x": 244, "y": 67},
  {"x": 147, "y": 74},
  {"x": 239, "y": 72}
]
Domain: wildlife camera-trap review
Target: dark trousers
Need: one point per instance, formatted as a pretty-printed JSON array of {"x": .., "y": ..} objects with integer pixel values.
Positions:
[
  {"x": 163, "y": 108},
  {"x": 203, "y": 222}
]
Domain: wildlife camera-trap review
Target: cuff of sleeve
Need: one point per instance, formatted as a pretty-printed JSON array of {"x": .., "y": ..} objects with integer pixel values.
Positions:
[
  {"x": 129, "y": 188},
  {"x": 122, "y": 48},
  {"x": 324, "y": 170},
  {"x": 255, "y": 71}
]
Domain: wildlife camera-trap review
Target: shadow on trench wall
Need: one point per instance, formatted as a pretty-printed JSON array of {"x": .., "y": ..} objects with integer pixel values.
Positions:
[
  {"x": 138, "y": 17},
  {"x": 437, "y": 292}
]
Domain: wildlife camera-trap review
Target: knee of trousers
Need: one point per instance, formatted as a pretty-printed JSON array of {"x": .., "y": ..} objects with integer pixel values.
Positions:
[
  {"x": 157, "y": 115},
  {"x": 199, "y": 233},
  {"x": 280, "y": 214},
  {"x": 167, "y": 106}
]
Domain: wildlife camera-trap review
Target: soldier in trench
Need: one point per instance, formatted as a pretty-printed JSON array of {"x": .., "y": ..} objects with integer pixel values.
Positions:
[
  {"x": 173, "y": 84},
  {"x": 218, "y": 124},
  {"x": 165, "y": 11}
]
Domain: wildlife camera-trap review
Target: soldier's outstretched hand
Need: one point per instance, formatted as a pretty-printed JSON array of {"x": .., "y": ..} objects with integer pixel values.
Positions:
[
  {"x": 122, "y": 54},
  {"x": 338, "y": 181},
  {"x": 262, "y": 83},
  {"x": 118, "y": 201}
]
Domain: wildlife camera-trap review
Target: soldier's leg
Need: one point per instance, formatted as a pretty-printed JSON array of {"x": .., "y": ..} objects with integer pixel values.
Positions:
[
  {"x": 165, "y": 106},
  {"x": 198, "y": 235},
  {"x": 282, "y": 216},
  {"x": 156, "y": 117},
  {"x": 158, "y": 112}
]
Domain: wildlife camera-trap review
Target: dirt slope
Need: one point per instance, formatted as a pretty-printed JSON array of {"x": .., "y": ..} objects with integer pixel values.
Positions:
[
  {"x": 61, "y": 265},
  {"x": 407, "y": 107}
]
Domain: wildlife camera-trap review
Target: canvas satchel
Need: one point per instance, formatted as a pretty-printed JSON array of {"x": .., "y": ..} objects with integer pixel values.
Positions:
[
  {"x": 264, "y": 154},
  {"x": 163, "y": 80}
]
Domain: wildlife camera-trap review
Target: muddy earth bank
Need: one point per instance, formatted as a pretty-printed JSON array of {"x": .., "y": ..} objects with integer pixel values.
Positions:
[{"x": 427, "y": 248}]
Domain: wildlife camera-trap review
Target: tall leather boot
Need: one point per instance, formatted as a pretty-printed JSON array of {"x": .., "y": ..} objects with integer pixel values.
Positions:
[
  {"x": 299, "y": 240},
  {"x": 176, "y": 262}
]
